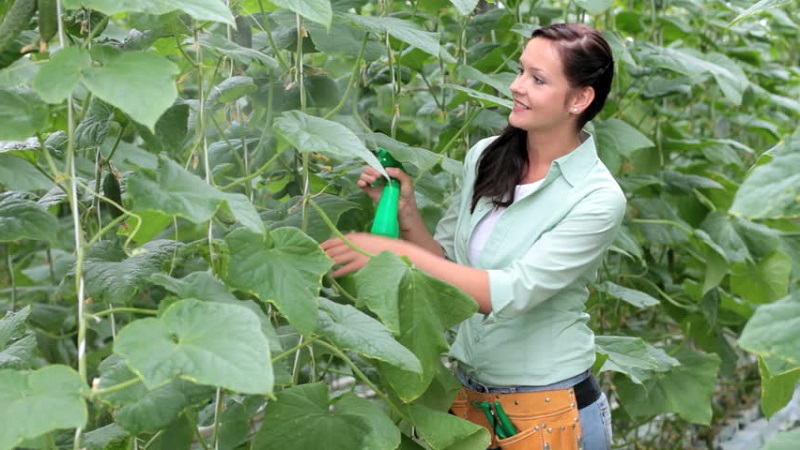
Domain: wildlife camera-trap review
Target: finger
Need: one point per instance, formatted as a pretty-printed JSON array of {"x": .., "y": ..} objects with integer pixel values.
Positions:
[
  {"x": 330, "y": 243},
  {"x": 345, "y": 269},
  {"x": 340, "y": 255}
]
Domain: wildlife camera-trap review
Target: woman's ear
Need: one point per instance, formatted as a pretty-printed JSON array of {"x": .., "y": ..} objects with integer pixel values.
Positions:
[{"x": 582, "y": 99}]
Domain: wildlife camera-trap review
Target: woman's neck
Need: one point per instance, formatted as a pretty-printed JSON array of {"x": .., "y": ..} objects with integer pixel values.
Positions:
[{"x": 544, "y": 148}]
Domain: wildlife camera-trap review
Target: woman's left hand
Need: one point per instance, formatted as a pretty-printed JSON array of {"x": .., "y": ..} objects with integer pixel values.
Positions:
[{"x": 348, "y": 259}]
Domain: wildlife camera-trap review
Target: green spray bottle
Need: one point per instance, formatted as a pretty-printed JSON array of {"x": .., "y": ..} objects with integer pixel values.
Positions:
[{"x": 385, "y": 222}]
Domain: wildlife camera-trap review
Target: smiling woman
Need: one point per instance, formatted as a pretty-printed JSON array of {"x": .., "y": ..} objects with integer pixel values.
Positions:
[{"x": 524, "y": 241}]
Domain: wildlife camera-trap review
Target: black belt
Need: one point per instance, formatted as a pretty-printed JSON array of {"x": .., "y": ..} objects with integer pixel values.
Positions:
[{"x": 587, "y": 391}]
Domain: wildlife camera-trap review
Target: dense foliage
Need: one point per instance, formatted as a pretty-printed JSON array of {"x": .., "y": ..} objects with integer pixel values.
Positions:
[{"x": 168, "y": 167}]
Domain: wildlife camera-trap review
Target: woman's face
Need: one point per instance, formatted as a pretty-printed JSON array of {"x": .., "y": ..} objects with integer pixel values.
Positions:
[{"x": 541, "y": 91}]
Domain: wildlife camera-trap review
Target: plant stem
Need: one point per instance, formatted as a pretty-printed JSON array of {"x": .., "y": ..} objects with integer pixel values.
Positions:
[
  {"x": 117, "y": 387},
  {"x": 335, "y": 230},
  {"x": 72, "y": 192},
  {"x": 11, "y": 277},
  {"x": 293, "y": 349},
  {"x": 258, "y": 172},
  {"x": 342, "y": 290},
  {"x": 335, "y": 350},
  {"x": 219, "y": 398},
  {"x": 149, "y": 312},
  {"x": 200, "y": 439},
  {"x": 266, "y": 28},
  {"x": 353, "y": 79},
  {"x": 300, "y": 80}
]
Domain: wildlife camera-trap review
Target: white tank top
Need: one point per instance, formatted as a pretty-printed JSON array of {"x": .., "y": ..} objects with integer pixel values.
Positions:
[{"x": 482, "y": 231}]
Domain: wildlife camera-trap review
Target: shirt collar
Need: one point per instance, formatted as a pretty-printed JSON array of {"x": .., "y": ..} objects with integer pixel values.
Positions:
[{"x": 576, "y": 164}]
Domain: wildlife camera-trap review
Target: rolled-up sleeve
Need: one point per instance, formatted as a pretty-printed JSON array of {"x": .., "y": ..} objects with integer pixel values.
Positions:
[{"x": 571, "y": 250}]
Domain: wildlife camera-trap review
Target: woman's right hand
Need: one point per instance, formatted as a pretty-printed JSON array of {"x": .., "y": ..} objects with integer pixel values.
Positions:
[{"x": 408, "y": 202}]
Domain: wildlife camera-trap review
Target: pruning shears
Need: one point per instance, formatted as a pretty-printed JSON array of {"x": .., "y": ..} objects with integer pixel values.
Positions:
[{"x": 498, "y": 419}]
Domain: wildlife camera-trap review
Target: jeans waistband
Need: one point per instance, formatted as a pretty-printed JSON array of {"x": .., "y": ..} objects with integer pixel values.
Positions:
[{"x": 477, "y": 386}]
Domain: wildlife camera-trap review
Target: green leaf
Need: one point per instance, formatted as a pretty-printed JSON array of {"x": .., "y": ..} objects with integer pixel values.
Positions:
[
  {"x": 230, "y": 90},
  {"x": 176, "y": 191},
  {"x": 487, "y": 99},
  {"x": 243, "y": 210},
  {"x": 22, "y": 114},
  {"x": 632, "y": 356},
  {"x": 382, "y": 297},
  {"x": 178, "y": 435},
  {"x": 764, "y": 281},
  {"x": 208, "y": 343},
  {"x": 423, "y": 159},
  {"x": 465, "y": 7},
  {"x": 758, "y": 8},
  {"x": 500, "y": 82},
  {"x": 199, "y": 285},
  {"x": 685, "y": 390},
  {"x": 636, "y": 298},
  {"x": 173, "y": 190},
  {"x": 56, "y": 79},
  {"x": 93, "y": 129},
  {"x": 113, "y": 276},
  {"x": 729, "y": 77},
  {"x": 17, "y": 345},
  {"x": 149, "y": 85},
  {"x": 17, "y": 174},
  {"x": 660, "y": 223},
  {"x": 214, "y": 10},
  {"x": 291, "y": 215},
  {"x": 721, "y": 230},
  {"x": 771, "y": 191},
  {"x": 12, "y": 326},
  {"x": 105, "y": 438},
  {"x": 314, "y": 134},
  {"x": 784, "y": 440},
  {"x": 403, "y": 30},
  {"x": 352, "y": 330},
  {"x": 139, "y": 409},
  {"x": 244, "y": 55},
  {"x": 319, "y": 11},
  {"x": 204, "y": 286},
  {"x": 419, "y": 311},
  {"x": 303, "y": 418},
  {"x": 284, "y": 267},
  {"x": 617, "y": 140},
  {"x": 171, "y": 131},
  {"x": 343, "y": 39},
  {"x": 441, "y": 430},
  {"x": 20, "y": 354},
  {"x": 24, "y": 219},
  {"x": 778, "y": 384},
  {"x": 39, "y": 402},
  {"x": 762, "y": 337},
  {"x": 152, "y": 223},
  {"x": 595, "y": 6}
]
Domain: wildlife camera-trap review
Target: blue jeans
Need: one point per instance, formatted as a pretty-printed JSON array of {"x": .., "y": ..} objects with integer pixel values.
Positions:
[{"x": 595, "y": 418}]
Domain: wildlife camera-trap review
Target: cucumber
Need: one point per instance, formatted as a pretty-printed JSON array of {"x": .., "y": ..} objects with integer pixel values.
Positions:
[
  {"x": 112, "y": 191},
  {"x": 17, "y": 19},
  {"x": 48, "y": 20}
]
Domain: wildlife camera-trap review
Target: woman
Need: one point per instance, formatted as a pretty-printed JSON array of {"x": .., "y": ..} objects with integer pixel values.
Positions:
[{"x": 524, "y": 239}]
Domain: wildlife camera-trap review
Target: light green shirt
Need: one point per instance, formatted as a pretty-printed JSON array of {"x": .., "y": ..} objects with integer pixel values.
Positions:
[{"x": 540, "y": 256}]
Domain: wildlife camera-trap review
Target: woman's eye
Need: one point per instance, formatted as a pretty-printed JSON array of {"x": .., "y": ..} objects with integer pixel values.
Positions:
[{"x": 538, "y": 80}]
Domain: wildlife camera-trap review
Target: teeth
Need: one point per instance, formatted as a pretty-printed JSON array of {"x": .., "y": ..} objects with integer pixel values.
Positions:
[{"x": 520, "y": 105}]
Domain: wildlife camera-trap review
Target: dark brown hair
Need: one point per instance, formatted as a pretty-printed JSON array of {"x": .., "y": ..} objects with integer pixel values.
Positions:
[{"x": 588, "y": 62}]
